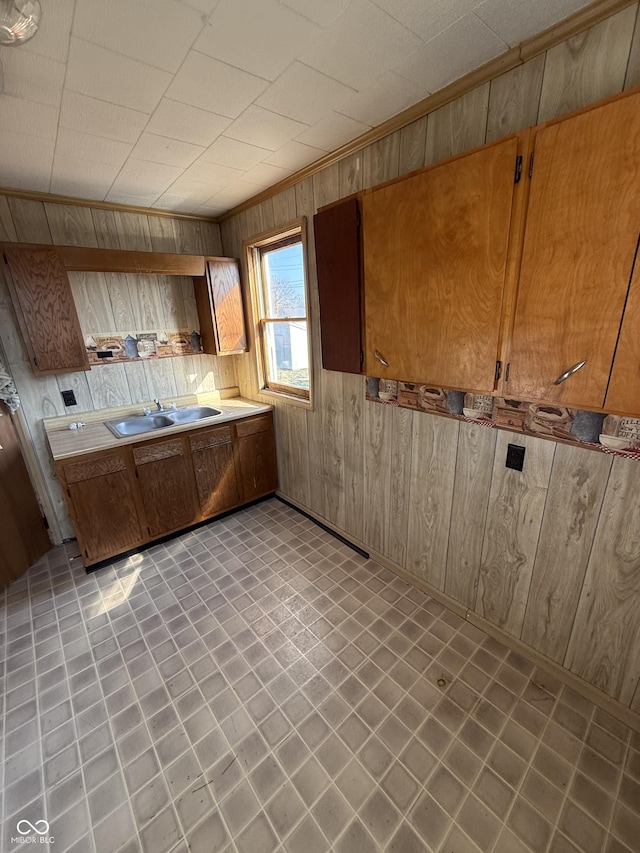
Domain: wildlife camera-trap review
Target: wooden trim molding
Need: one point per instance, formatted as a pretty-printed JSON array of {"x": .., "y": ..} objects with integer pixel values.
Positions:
[{"x": 581, "y": 20}]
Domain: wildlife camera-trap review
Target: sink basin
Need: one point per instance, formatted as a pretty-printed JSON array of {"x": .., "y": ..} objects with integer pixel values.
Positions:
[
  {"x": 139, "y": 424},
  {"x": 193, "y": 413}
]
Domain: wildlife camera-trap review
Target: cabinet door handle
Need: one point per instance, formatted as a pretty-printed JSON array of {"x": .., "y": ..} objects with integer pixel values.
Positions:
[
  {"x": 569, "y": 372},
  {"x": 381, "y": 358}
]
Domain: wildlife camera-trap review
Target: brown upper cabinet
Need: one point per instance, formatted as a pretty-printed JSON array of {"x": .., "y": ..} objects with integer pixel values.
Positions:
[
  {"x": 43, "y": 302},
  {"x": 580, "y": 243},
  {"x": 435, "y": 265},
  {"x": 337, "y": 242},
  {"x": 220, "y": 307}
]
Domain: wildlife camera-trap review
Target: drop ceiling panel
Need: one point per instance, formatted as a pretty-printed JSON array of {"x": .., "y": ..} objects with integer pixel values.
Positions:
[
  {"x": 303, "y": 94},
  {"x": 109, "y": 76},
  {"x": 262, "y": 38},
  {"x": 190, "y": 124},
  {"x": 195, "y": 105},
  {"x": 156, "y": 32},
  {"x": 80, "y": 112},
  {"x": 212, "y": 85}
]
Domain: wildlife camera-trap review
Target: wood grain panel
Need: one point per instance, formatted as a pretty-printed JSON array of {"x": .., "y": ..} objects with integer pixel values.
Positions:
[
  {"x": 70, "y": 225},
  {"x": 413, "y": 141},
  {"x": 226, "y": 301},
  {"x": 435, "y": 248},
  {"x": 216, "y": 477},
  {"x": 580, "y": 243},
  {"x": 399, "y": 484},
  {"x": 160, "y": 378},
  {"x": 632, "y": 77},
  {"x": 514, "y": 99},
  {"x": 353, "y": 402},
  {"x": 605, "y": 641},
  {"x": 157, "y": 451},
  {"x": 133, "y": 231},
  {"x": 44, "y": 306},
  {"x": 350, "y": 175},
  {"x": 514, "y": 519},
  {"x": 91, "y": 297},
  {"x": 250, "y": 426},
  {"x": 458, "y": 126},
  {"x": 333, "y": 447},
  {"x": 433, "y": 466},
  {"x": 148, "y": 309},
  {"x": 105, "y": 226},
  {"x": 381, "y": 161},
  {"x": 136, "y": 380},
  {"x": 167, "y": 488},
  {"x": 258, "y": 468},
  {"x": 576, "y": 490},
  {"x": 282, "y": 437},
  {"x": 474, "y": 469},
  {"x": 164, "y": 235},
  {"x": 118, "y": 291},
  {"x": 30, "y": 221},
  {"x": 108, "y": 260},
  {"x": 284, "y": 209},
  {"x": 76, "y": 382},
  {"x": 300, "y": 488},
  {"x": 326, "y": 186},
  {"x": 623, "y": 392},
  {"x": 96, "y": 466},
  {"x": 587, "y": 67},
  {"x": 210, "y": 438},
  {"x": 109, "y": 386},
  {"x": 378, "y": 426},
  {"x": 7, "y": 228}
]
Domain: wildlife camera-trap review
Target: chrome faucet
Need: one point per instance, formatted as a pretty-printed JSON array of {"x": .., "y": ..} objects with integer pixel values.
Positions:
[{"x": 158, "y": 404}]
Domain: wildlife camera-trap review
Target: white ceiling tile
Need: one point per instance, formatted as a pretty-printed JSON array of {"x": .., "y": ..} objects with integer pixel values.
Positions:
[
  {"x": 138, "y": 177},
  {"x": 211, "y": 173},
  {"x": 185, "y": 187},
  {"x": 133, "y": 199},
  {"x": 265, "y": 175},
  {"x": 516, "y": 20},
  {"x": 209, "y": 210},
  {"x": 387, "y": 96},
  {"x": 426, "y": 18},
  {"x": 262, "y": 38},
  {"x": 361, "y": 43},
  {"x": 211, "y": 85},
  {"x": 161, "y": 149},
  {"x": 52, "y": 38},
  {"x": 82, "y": 178},
  {"x": 96, "y": 149},
  {"x": 295, "y": 155},
  {"x": 463, "y": 46},
  {"x": 20, "y": 116},
  {"x": 332, "y": 131},
  {"x": 304, "y": 94},
  {"x": 323, "y": 13},
  {"x": 80, "y": 112},
  {"x": 108, "y": 76},
  {"x": 232, "y": 152},
  {"x": 176, "y": 203},
  {"x": 205, "y": 6},
  {"x": 156, "y": 32},
  {"x": 25, "y": 161},
  {"x": 190, "y": 124},
  {"x": 233, "y": 194},
  {"x": 32, "y": 77},
  {"x": 264, "y": 129}
]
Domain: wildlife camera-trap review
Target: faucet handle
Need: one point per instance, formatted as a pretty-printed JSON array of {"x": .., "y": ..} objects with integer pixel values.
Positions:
[{"x": 146, "y": 410}]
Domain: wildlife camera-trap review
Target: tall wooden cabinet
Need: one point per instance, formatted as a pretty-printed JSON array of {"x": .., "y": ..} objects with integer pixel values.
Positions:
[
  {"x": 435, "y": 263},
  {"x": 582, "y": 228},
  {"x": 256, "y": 457}
]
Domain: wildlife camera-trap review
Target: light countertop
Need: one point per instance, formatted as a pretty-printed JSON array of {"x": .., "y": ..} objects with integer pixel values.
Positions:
[{"x": 94, "y": 435}]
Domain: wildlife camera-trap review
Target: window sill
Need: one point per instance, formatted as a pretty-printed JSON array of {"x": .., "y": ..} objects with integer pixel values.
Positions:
[{"x": 289, "y": 399}]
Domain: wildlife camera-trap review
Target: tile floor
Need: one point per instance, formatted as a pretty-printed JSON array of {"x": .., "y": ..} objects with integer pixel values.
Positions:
[{"x": 257, "y": 686}]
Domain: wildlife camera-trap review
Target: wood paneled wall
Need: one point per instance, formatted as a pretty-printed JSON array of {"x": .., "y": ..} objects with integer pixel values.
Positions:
[
  {"x": 109, "y": 302},
  {"x": 550, "y": 555}
]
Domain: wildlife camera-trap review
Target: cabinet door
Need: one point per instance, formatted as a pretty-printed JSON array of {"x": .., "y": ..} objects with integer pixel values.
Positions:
[
  {"x": 623, "y": 393},
  {"x": 214, "y": 466},
  {"x": 580, "y": 241},
  {"x": 257, "y": 457},
  {"x": 435, "y": 253},
  {"x": 102, "y": 505},
  {"x": 45, "y": 310},
  {"x": 337, "y": 240},
  {"x": 166, "y": 484},
  {"x": 220, "y": 307}
]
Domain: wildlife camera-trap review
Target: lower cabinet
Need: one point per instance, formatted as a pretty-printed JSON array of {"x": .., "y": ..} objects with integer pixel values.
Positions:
[
  {"x": 122, "y": 498},
  {"x": 165, "y": 478},
  {"x": 102, "y": 503}
]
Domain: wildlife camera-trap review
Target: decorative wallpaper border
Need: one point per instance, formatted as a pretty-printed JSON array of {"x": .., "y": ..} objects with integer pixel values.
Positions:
[
  {"x": 131, "y": 346},
  {"x": 613, "y": 434}
]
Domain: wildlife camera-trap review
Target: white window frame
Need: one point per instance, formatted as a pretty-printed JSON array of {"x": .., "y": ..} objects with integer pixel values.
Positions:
[{"x": 253, "y": 250}]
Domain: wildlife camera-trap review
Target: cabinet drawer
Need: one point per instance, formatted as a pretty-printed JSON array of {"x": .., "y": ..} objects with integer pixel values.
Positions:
[
  {"x": 253, "y": 425},
  {"x": 87, "y": 469},
  {"x": 155, "y": 452},
  {"x": 210, "y": 438}
]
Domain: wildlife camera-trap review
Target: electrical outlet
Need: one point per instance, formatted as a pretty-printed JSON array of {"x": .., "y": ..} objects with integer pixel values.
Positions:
[
  {"x": 69, "y": 398},
  {"x": 515, "y": 457}
]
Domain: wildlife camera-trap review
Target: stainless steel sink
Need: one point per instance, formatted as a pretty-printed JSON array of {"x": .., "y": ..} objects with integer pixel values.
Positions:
[
  {"x": 190, "y": 414},
  {"x": 139, "y": 424}
]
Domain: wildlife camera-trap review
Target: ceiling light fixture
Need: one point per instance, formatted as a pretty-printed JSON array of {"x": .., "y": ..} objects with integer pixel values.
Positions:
[{"x": 19, "y": 20}]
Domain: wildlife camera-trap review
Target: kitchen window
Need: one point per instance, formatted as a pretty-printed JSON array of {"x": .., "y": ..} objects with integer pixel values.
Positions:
[{"x": 277, "y": 264}]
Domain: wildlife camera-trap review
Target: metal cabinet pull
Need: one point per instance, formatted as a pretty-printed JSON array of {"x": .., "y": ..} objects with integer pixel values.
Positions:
[
  {"x": 381, "y": 358},
  {"x": 568, "y": 373}
]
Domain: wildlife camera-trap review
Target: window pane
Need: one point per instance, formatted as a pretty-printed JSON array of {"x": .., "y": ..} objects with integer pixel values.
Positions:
[
  {"x": 287, "y": 354},
  {"x": 284, "y": 282}
]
